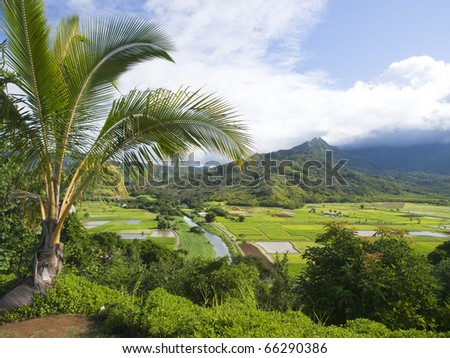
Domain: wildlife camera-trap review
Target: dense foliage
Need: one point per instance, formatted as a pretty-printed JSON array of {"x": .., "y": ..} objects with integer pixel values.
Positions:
[
  {"x": 161, "y": 314},
  {"x": 380, "y": 279},
  {"x": 137, "y": 266},
  {"x": 18, "y": 239},
  {"x": 283, "y": 179},
  {"x": 440, "y": 258},
  {"x": 372, "y": 288}
]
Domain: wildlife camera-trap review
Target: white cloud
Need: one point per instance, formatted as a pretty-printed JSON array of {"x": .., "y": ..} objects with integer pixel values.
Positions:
[
  {"x": 411, "y": 95},
  {"x": 237, "y": 31},
  {"x": 245, "y": 51},
  {"x": 82, "y": 7}
]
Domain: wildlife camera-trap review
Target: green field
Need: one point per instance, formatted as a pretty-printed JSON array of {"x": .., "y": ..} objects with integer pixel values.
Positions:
[
  {"x": 118, "y": 221},
  {"x": 301, "y": 226},
  {"x": 121, "y": 220},
  {"x": 195, "y": 244}
]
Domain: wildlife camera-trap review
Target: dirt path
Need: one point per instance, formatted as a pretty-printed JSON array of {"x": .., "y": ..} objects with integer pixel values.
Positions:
[
  {"x": 177, "y": 240},
  {"x": 230, "y": 237},
  {"x": 64, "y": 326}
]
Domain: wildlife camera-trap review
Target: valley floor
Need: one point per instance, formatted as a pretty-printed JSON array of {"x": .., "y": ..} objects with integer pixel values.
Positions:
[{"x": 271, "y": 230}]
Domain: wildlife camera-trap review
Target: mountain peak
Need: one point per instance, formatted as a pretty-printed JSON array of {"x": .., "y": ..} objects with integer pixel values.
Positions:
[
  {"x": 316, "y": 145},
  {"x": 318, "y": 141}
]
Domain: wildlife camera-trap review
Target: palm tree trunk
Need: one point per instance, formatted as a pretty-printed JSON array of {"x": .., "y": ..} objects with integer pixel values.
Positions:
[
  {"x": 49, "y": 258},
  {"x": 48, "y": 264}
]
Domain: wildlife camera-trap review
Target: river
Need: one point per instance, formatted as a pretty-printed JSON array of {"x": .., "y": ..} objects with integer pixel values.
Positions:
[{"x": 218, "y": 245}]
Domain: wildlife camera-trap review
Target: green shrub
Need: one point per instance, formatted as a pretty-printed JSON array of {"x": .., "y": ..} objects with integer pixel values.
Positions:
[
  {"x": 443, "y": 316},
  {"x": 219, "y": 211},
  {"x": 210, "y": 283},
  {"x": 166, "y": 315},
  {"x": 196, "y": 230},
  {"x": 441, "y": 252},
  {"x": 161, "y": 314},
  {"x": 442, "y": 272},
  {"x": 7, "y": 282},
  {"x": 122, "y": 318},
  {"x": 281, "y": 296},
  {"x": 73, "y": 294},
  {"x": 210, "y": 217},
  {"x": 163, "y": 224},
  {"x": 382, "y": 279},
  {"x": 368, "y": 328}
]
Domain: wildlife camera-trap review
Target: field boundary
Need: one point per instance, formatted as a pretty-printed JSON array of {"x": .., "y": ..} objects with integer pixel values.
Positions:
[{"x": 266, "y": 254}]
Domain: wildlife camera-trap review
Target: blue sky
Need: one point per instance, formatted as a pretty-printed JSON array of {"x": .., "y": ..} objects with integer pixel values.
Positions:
[
  {"x": 352, "y": 71},
  {"x": 358, "y": 39}
]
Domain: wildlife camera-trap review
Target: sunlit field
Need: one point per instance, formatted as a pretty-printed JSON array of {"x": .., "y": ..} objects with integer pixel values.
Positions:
[
  {"x": 301, "y": 226},
  {"x": 134, "y": 223}
]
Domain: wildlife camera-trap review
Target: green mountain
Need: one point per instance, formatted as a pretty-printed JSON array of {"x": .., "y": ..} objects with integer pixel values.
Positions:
[
  {"x": 311, "y": 172},
  {"x": 317, "y": 172},
  {"x": 317, "y": 147}
]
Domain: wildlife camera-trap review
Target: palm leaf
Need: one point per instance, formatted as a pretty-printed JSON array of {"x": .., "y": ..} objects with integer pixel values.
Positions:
[
  {"x": 30, "y": 56},
  {"x": 95, "y": 56},
  {"x": 150, "y": 126},
  {"x": 172, "y": 122},
  {"x": 111, "y": 46},
  {"x": 19, "y": 139},
  {"x": 65, "y": 33}
]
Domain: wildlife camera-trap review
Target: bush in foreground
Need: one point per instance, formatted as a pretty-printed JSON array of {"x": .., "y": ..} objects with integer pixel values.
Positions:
[
  {"x": 381, "y": 279},
  {"x": 160, "y": 314}
]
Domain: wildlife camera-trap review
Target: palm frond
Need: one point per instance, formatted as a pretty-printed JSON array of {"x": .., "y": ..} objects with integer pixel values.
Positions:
[
  {"x": 102, "y": 51},
  {"x": 30, "y": 56},
  {"x": 65, "y": 33},
  {"x": 153, "y": 125},
  {"x": 21, "y": 138},
  {"x": 111, "y": 46},
  {"x": 173, "y": 122}
]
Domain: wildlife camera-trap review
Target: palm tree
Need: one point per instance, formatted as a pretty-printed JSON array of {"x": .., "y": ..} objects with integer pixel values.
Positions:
[{"x": 68, "y": 114}]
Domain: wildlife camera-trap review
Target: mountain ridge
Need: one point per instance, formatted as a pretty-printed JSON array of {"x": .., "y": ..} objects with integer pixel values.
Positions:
[
  {"x": 318, "y": 147},
  {"x": 428, "y": 158},
  {"x": 299, "y": 175}
]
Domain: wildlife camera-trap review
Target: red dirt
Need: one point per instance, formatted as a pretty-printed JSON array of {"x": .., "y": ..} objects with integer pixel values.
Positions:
[
  {"x": 64, "y": 326},
  {"x": 284, "y": 215},
  {"x": 250, "y": 250}
]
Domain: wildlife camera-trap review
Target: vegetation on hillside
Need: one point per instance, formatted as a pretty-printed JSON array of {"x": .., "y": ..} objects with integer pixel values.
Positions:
[
  {"x": 298, "y": 176},
  {"x": 161, "y": 314}
]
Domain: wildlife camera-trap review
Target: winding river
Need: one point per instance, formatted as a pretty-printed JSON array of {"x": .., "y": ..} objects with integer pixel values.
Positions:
[{"x": 218, "y": 245}]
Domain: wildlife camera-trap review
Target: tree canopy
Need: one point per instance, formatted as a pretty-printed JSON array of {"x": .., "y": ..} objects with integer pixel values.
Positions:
[{"x": 382, "y": 278}]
